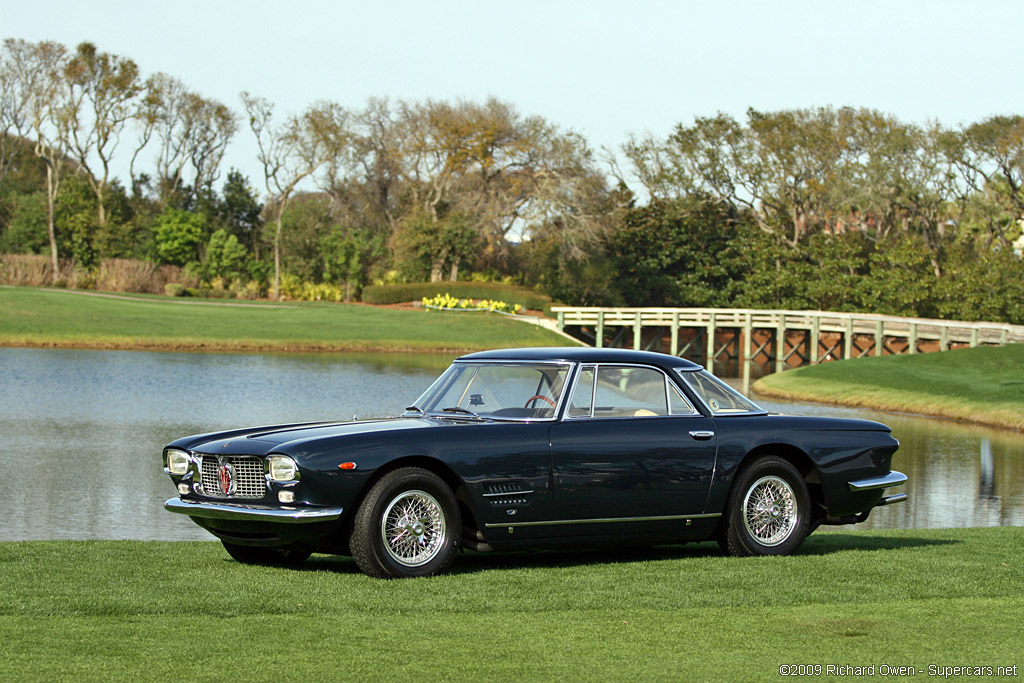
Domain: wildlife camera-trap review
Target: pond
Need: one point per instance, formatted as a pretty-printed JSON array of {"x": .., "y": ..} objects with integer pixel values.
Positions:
[{"x": 82, "y": 433}]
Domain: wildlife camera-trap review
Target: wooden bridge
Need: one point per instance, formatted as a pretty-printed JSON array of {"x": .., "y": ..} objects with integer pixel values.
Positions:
[{"x": 773, "y": 340}]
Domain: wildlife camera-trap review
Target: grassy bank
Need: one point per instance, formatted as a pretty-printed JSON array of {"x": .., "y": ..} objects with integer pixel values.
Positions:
[
  {"x": 95, "y": 610},
  {"x": 984, "y": 385},
  {"x": 57, "y": 318}
]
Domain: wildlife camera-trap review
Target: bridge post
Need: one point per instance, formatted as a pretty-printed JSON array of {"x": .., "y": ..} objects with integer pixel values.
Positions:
[
  {"x": 974, "y": 337},
  {"x": 879, "y": 338},
  {"x": 674, "y": 348},
  {"x": 599, "y": 341},
  {"x": 637, "y": 332},
  {"x": 944, "y": 339},
  {"x": 780, "y": 344},
  {"x": 912, "y": 339},
  {"x": 848, "y": 339},
  {"x": 815, "y": 331}
]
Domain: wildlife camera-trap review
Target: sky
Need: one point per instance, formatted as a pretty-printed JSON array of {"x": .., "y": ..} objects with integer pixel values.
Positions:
[{"x": 603, "y": 69}]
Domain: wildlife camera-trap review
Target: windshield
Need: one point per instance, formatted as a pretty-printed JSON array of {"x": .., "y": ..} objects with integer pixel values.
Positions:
[
  {"x": 719, "y": 396},
  {"x": 496, "y": 390}
]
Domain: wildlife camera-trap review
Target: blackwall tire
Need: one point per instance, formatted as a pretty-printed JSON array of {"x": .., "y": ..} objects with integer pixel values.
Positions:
[
  {"x": 408, "y": 525},
  {"x": 768, "y": 512}
]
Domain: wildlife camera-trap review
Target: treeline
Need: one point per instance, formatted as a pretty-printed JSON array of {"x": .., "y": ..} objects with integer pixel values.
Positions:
[{"x": 842, "y": 209}]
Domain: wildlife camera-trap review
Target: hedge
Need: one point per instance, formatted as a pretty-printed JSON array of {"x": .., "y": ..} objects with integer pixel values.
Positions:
[{"x": 415, "y": 291}]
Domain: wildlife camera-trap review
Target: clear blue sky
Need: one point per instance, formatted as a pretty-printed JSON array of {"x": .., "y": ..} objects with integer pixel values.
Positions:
[{"x": 603, "y": 69}]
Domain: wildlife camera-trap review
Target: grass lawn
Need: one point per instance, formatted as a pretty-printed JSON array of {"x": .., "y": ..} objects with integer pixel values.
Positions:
[
  {"x": 120, "y": 610},
  {"x": 38, "y": 317},
  {"x": 983, "y": 384}
]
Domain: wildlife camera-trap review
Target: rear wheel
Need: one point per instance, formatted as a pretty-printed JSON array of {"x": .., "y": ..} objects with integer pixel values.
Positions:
[
  {"x": 247, "y": 554},
  {"x": 768, "y": 510},
  {"x": 408, "y": 525}
]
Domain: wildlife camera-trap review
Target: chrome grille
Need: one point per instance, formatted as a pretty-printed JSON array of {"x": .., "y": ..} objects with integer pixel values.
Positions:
[{"x": 248, "y": 476}]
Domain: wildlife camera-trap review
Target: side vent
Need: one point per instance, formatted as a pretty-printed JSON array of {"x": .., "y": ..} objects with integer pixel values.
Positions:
[{"x": 514, "y": 493}]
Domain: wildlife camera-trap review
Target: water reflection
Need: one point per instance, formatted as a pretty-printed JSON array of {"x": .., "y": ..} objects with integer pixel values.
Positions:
[{"x": 82, "y": 431}]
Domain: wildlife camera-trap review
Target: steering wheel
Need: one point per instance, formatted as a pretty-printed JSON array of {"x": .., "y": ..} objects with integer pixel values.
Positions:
[{"x": 534, "y": 398}]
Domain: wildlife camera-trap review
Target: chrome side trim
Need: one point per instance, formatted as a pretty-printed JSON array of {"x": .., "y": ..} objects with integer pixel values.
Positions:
[
  {"x": 894, "y": 478},
  {"x": 252, "y": 513},
  {"x": 607, "y": 520},
  {"x": 506, "y": 493}
]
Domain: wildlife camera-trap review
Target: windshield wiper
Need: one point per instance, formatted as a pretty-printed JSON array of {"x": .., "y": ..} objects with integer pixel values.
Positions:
[{"x": 463, "y": 411}]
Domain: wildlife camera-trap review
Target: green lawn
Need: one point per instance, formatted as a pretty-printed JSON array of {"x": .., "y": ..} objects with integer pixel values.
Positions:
[
  {"x": 983, "y": 384},
  {"x": 38, "y": 317},
  {"x": 120, "y": 610}
]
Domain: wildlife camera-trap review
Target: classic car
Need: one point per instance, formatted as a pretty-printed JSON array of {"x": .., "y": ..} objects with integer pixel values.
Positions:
[{"x": 535, "y": 448}]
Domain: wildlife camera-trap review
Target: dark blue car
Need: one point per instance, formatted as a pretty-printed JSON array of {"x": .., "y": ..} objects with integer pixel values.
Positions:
[{"x": 535, "y": 448}]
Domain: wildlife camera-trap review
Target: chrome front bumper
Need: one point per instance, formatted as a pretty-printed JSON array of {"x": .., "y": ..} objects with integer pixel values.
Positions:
[
  {"x": 894, "y": 478},
  {"x": 252, "y": 513}
]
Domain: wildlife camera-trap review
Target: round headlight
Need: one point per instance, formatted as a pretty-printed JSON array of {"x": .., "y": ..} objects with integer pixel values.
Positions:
[
  {"x": 283, "y": 468},
  {"x": 177, "y": 462}
]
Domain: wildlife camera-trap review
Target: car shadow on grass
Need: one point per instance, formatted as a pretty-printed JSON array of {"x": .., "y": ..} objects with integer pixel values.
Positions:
[{"x": 469, "y": 562}]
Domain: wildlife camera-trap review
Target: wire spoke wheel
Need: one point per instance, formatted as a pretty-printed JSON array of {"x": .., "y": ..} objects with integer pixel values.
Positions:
[
  {"x": 770, "y": 510},
  {"x": 413, "y": 528}
]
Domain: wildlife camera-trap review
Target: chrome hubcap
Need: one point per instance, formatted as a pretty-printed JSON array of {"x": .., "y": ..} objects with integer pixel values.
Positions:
[
  {"x": 413, "y": 528},
  {"x": 770, "y": 510}
]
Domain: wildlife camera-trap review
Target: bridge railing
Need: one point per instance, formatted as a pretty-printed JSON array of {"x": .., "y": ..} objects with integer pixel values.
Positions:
[{"x": 779, "y": 335}]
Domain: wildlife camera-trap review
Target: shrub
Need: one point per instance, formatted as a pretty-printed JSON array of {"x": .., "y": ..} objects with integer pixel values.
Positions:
[
  {"x": 415, "y": 291},
  {"x": 26, "y": 269},
  {"x": 174, "y": 289},
  {"x": 297, "y": 290},
  {"x": 128, "y": 275}
]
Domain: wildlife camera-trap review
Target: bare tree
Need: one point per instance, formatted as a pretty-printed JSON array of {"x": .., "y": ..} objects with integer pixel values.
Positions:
[
  {"x": 192, "y": 133},
  {"x": 289, "y": 153},
  {"x": 39, "y": 70},
  {"x": 13, "y": 104},
  {"x": 103, "y": 88}
]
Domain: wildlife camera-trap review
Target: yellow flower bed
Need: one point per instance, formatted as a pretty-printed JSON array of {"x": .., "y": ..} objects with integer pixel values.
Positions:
[{"x": 447, "y": 301}]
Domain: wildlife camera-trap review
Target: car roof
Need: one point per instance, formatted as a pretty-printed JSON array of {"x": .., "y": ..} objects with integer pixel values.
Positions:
[{"x": 585, "y": 355}]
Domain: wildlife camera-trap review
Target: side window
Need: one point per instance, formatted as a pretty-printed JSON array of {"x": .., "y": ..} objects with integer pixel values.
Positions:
[
  {"x": 629, "y": 392},
  {"x": 678, "y": 405},
  {"x": 582, "y": 397}
]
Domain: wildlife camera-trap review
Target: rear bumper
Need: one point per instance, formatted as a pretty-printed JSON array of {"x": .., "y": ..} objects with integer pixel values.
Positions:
[
  {"x": 252, "y": 513},
  {"x": 885, "y": 481}
]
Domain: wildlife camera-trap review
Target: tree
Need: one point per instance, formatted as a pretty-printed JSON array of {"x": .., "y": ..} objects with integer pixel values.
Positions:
[
  {"x": 225, "y": 257},
  {"x": 988, "y": 160},
  {"x": 239, "y": 212},
  {"x": 179, "y": 234},
  {"x": 680, "y": 252},
  {"x": 289, "y": 154},
  {"x": 47, "y": 116},
  {"x": 102, "y": 92},
  {"x": 192, "y": 133},
  {"x": 347, "y": 255}
]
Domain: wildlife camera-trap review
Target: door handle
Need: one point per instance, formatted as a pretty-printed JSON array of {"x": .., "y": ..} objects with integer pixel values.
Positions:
[{"x": 702, "y": 435}]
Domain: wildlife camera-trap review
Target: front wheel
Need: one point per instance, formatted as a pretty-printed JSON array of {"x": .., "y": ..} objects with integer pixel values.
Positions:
[
  {"x": 408, "y": 525},
  {"x": 768, "y": 510}
]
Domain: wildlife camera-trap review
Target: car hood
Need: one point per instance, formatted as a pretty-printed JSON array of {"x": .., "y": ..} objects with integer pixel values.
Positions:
[{"x": 263, "y": 440}]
